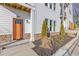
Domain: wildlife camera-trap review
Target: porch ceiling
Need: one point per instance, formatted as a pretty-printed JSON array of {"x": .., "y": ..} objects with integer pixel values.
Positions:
[{"x": 17, "y": 6}]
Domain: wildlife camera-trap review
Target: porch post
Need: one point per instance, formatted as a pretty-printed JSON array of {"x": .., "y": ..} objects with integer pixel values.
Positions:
[{"x": 32, "y": 25}]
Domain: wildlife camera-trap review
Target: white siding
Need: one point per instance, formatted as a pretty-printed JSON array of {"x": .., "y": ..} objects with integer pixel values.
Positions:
[
  {"x": 42, "y": 12},
  {"x": 56, "y": 16},
  {"x": 23, "y": 15},
  {"x": 27, "y": 26},
  {"x": 6, "y": 18}
]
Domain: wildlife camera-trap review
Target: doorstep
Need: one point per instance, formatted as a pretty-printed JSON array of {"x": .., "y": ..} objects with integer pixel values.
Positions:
[{"x": 15, "y": 43}]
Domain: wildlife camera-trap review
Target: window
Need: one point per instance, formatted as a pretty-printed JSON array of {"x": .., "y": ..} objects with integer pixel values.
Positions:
[
  {"x": 54, "y": 6},
  {"x": 50, "y": 5},
  {"x": 54, "y": 25},
  {"x": 50, "y": 25},
  {"x": 61, "y": 10},
  {"x": 18, "y": 21},
  {"x": 46, "y": 4}
]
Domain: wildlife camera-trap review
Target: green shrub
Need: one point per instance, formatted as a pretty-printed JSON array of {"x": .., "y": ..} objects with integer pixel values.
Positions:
[
  {"x": 75, "y": 26},
  {"x": 44, "y": 29},
  {"x": 45, "y": 42},
  {"x": 62, "y": 31}
]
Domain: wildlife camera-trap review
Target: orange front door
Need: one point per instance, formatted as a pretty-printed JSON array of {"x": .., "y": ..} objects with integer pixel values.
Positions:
[{"x": 17, "y": 29}]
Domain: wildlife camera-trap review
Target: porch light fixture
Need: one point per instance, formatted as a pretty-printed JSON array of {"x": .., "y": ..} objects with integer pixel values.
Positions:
[{"x": 27, "y": 21}]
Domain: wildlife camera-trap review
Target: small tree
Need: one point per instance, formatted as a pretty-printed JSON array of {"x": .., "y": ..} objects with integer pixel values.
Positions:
[
  {"x": 75, "y": 26},
  {"x": 77, "y": 23},
  {"x": 44, "y": 29},
  {"x": 44, "y": 39},
  {"x": 62, "y": 31}
]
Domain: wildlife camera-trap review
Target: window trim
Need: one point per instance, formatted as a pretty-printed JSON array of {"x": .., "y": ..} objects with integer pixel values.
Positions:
[
  {"x": 54, "y": 26},
  {"x": 54, "y": 6},
  {"x": 46, "y": 4},
  {"x": 50, "y": 5},
  {"x": 50, "y": 25}
]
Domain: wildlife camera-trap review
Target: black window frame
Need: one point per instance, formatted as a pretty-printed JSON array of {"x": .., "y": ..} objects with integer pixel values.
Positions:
[
  {"x": 19, "y": 21},
  {"x": 61, "y": 11},
  {"x": 50, "y": 5},
  {"x": 46, "y": 4},
  {"x": 50, "y": 25},
  {"x": 54, "y": 6},
  {"x": 54, "y": 26}
]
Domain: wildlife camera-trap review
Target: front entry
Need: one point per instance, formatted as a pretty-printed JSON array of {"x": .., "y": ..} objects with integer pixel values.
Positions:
[{"x": 17, "y": 29}]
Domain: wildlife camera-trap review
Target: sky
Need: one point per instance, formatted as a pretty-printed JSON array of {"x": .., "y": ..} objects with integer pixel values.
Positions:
[{"x": 75, "y": 11}]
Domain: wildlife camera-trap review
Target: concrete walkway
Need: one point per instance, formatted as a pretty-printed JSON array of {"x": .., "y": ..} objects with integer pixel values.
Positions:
[
  {"x": 70, "y": 49},
  {"x": 76, "y": 51},
  {"x": 19, "y": 50}
]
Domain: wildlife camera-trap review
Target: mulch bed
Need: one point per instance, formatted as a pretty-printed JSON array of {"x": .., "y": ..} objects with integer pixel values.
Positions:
[{"x": 56, "y": 44}]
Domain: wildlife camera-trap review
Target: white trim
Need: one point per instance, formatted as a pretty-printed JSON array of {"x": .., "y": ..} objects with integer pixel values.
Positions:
[{"x": 32, "y": 25}]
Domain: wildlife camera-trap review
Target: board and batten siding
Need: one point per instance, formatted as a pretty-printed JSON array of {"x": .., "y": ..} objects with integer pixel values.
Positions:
[{"x": 6, "y": 21}]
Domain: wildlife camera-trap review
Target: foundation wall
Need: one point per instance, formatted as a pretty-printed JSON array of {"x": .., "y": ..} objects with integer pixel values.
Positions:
[
  {"x": 7, "y": 38},
  {"x": 27, "y": 36},
  {"x": 38, "y": 36}
]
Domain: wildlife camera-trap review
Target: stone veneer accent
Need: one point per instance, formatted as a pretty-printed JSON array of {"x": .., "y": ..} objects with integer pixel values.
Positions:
[
  {"x": 54, "y": 33},
  {"x": 5, "y": 38},
  {"x": 27, "y": 36},
  {"x": 38, "y": 36}
]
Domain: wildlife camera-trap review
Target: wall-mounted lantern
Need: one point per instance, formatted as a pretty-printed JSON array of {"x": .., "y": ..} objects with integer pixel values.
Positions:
[{"x": 28, "y": 21}]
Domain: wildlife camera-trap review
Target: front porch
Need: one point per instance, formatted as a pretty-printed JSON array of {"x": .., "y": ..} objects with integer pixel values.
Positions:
[{"x": 11, "y": 11}]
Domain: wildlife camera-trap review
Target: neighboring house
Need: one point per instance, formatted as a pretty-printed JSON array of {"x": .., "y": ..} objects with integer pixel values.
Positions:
[
  {"x": 68, "y": 14},
  {"x": 49, "y": 12},
  {"x": 24, "y": 20},
  {"x": 76, "y": 13}
]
